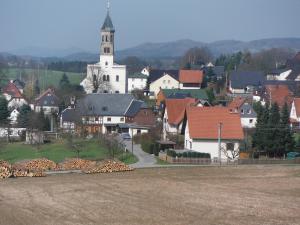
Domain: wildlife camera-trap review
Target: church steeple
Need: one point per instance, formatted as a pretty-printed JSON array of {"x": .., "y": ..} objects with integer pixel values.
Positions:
[{"x": 107, "y": 34}]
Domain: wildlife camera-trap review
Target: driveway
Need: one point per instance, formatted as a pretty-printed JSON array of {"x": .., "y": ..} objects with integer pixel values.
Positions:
[{"x": 145, "y": 159}]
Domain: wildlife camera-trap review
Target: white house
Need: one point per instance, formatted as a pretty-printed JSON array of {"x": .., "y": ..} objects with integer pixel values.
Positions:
[
  {"x": 13, "y": 95},
  {"x": 202, "y": 132},
  {"x": 244, "y": 108},
  {"x": 106, "y": 76},
  {"x": 164, "y": 82},
  {"x": 47, "y": 101},
  {"x": 295, "y": 112},
  {"x": 174, "y": 115},
  {"x": 136, "y": 81}
]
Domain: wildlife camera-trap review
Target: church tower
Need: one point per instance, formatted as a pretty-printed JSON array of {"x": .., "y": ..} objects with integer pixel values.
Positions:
[{"x": 107, "y": 48}]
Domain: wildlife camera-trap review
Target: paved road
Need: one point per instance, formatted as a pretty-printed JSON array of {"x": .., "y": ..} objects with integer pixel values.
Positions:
[{"x": 145, "y": 159}]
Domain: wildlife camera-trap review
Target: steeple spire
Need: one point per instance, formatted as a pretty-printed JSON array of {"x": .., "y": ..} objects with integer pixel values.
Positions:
[{"x": 108, "y": 6}]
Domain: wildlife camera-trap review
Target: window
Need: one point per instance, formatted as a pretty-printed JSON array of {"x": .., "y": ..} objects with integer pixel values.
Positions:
[
  {"x": 122, "y": 119},
  {"x": 111, "y": 38},
  {"x": 105, "y": 91},
  {"x": 104, "y": 77},
  {"x": 117, "y": 78},
  {"x": 138, "y": 131},
  {"x": 242, "y": 111},
  {"x": 117, "y": 92},
  {"x": 104, "y": 108},
  {"x": 249, "y": 111},
  {"x": 102, "y": 37},
  {"x": 106, "y": 38},
  {"x": 106, "y": 63},
  {"x": 230, "y": 146},
  {"x": 107, "y": 78},
  {"x": 169, "y": 81},
  {"x": 108, "y": 119},
  {"x": 164, "y": 81},
  {"x": 97, "y": 119},
  {"x": 251, "y": 121}
]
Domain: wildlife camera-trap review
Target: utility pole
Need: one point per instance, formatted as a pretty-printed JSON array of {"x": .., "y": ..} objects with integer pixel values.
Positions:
[
  {"x": 219, "y": 140},
  {"x": 132, "y": 140}
]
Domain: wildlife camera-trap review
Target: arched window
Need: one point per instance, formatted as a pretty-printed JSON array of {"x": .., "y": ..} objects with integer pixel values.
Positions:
[
  {"x": 94, "y": 78},
  {"x": 104, "y": 77},
  {"x": 107, "y": 77}
]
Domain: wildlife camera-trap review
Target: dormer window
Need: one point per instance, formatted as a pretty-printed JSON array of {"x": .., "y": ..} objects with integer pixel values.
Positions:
[
  {"x": 106, "y": 63},
  {"x": 104, "y": 108}
]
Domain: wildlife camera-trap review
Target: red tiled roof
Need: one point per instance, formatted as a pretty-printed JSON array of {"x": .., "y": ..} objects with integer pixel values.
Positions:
[
  {"x": 204, "y": 122},
  {"x": 12, "y": 90},
  {"x": 191, "y": 76},
  {"x": 280, "y": 94},
  {"x": 236, "y": 103},
  {"x": 297, "y": 106},
  {"x": 176, "y": 109}
]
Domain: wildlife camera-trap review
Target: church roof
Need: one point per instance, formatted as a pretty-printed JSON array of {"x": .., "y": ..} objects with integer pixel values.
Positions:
[{"x": 108, "y": 25}]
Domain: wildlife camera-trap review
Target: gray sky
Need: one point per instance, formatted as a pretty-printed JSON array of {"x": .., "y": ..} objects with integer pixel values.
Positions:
[{"x": 63, "y": 24}]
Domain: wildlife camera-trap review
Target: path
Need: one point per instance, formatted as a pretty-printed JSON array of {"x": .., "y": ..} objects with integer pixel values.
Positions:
[{"x": 145, "y": 159}]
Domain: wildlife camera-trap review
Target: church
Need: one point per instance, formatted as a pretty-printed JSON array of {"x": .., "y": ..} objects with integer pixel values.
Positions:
[{"x": 106, "y": 76}]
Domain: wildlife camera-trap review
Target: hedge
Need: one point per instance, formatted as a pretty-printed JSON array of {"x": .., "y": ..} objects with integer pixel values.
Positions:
[{"x": 174, "y": 154}]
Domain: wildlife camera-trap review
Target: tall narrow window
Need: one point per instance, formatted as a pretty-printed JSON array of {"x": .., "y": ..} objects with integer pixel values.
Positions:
[
  {"x": 107, "y": 78},
  {"x": 104, "y": 77},
  {"x": 106, "y": 38},
  {"x": 117, "y": 78}
]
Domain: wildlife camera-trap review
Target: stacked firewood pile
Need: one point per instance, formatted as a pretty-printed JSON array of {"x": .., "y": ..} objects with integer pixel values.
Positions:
[
  {"x": 37, "y": 167},
  {"x": 5, "y": 169},
  {"x": 76, "y": 164},
  {"x": 109, "y": 167}
]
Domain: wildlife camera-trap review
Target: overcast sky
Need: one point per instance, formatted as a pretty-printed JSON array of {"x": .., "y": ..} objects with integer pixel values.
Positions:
[{"x": 63, "y": 24}]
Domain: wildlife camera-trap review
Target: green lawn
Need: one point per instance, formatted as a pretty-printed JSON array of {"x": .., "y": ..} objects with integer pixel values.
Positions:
[
  {"x": 58, "y": 151},
  {"x": 47, "y": 78}
]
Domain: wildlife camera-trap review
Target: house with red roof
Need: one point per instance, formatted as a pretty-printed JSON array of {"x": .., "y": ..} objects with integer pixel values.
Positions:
[
  {"x": 203, "y": 127},
  {"x": 295, "y": 113},
  {"x": 279, "y": 93},
  {"x": 14, "y": 96},
  {"x": 244, "y": 108},
  {"x": 190, "y": 79},
  {"x": 174, "y": 115}
]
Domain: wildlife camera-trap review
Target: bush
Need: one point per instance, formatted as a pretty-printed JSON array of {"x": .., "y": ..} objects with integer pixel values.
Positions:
[{"x": 173, "y": 154}]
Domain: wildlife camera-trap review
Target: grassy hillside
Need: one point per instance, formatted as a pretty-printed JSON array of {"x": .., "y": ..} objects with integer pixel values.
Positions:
[{"x": 46, "y": 78}]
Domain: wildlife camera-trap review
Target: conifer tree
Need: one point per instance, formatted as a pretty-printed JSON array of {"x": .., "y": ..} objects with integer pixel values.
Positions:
[{"x": 4, "y": 112}]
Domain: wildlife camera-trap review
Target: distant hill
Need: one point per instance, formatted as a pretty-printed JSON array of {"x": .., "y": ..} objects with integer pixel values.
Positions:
[{"x": 167, "y": 49}]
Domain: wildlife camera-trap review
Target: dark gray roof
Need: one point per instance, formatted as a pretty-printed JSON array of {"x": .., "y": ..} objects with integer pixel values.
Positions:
[
  {"x": 156, "y": 74},
  {"x": 19, "y": 84},
  {"x": 48, "y": 98},
  {"x": 219, "y": 71},
  {"x": 295, "y": 73},
  {"x": 108, "y": 25},
  {"x": 242, "y": 79},
  {"x": 69, "y": 115},
  {"x": 104, "y": 104},
  {"x": 248, "y": 111},
  {"x": 134, "y": 108}
]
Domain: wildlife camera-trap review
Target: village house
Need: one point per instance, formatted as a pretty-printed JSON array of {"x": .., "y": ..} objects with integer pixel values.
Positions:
[
  {"x": 14, "y": 96},
  {"x": 295, "y": 113},
  {"x": 106, "y": 76},
  {"x": 279, "y": 93},
  {"x": 162, "y": 79},
  {"x": 174, "y": 115},
  {"x": 48, "y": 102},
  {"x": 244, "y": 108},
  {"x": 190, "y": 79},
  {"x": 241, "y": 83},
  {"x": 136, "y": 81},
  {"x": 202, "y": 129},
  {"x": 107, "y": 114}
]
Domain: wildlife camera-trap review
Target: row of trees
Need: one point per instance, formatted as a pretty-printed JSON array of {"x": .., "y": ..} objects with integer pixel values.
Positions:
[{"x": 273, "y": 134}]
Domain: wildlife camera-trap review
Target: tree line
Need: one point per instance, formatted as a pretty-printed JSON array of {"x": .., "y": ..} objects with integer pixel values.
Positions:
[{"x": 273, "y": 134}]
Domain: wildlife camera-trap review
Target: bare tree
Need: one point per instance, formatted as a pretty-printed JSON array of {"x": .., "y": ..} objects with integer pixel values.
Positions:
[
  {"x": 98, "y": 80},
  {"x": 231, "y": 152}
]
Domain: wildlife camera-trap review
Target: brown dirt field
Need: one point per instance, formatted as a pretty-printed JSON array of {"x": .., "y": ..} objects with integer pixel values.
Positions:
[{"x": 198, "y": 195}]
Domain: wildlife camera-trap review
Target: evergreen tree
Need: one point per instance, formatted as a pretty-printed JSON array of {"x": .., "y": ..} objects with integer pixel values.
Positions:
[
  {"x": 37, "y": 89},
  {"x": 273, "y": 131},
  {"x": 23, "y": 118},
  {"x": 286, "y": 135},
  {"x": 64, "y": 81},
  {"x": 4, "y": 112}
]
